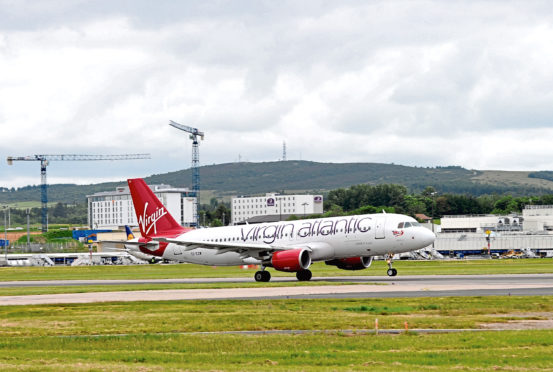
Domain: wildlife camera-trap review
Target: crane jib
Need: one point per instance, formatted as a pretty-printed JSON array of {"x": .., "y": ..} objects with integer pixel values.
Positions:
[{"x": 44, "y": 161}]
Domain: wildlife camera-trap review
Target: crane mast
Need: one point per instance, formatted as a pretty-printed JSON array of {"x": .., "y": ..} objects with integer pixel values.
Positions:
[
  {"x": 194, "y": 134},
  {"x": 45, "y": 161}
]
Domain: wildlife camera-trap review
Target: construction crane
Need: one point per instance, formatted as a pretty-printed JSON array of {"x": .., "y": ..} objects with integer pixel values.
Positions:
[
  {"x": 46, "y": 159},
  {"x": 194, "y": 134}
]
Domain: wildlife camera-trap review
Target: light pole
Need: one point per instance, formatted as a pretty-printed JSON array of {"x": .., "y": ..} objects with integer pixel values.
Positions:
[
  {"x": 304, "y": 204},
  {"x": 433, "y": 194}
]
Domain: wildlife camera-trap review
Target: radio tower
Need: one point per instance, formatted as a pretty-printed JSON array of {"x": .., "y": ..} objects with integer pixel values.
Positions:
[
  {"x": 194, "y": 134},
  {"x": 284, "y": 151}
]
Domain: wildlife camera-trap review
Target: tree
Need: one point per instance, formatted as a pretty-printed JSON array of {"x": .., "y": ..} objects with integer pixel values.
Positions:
[
  {"x": 505, "y": 205},
  {"x": 223, "y": 213},
  {"x": 60, "y": 210},
  {"x": 216, "y": 223},
  {"x": 428, "y": 191},
  {"x": 415, "y": 204}
]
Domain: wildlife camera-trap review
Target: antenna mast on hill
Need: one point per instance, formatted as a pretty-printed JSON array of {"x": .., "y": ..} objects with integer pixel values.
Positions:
[{"x": 284, "y": 151}]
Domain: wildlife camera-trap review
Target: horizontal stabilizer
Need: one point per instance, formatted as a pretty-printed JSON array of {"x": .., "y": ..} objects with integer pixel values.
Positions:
[{"x": 126, "y": 242}]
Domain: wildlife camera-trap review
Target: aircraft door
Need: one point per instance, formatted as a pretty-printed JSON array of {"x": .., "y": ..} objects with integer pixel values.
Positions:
[{"x": 379, "y": 231}]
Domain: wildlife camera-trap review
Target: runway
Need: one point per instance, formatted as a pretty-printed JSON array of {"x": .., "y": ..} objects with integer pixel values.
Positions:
[{"x": 378, "y": 286}]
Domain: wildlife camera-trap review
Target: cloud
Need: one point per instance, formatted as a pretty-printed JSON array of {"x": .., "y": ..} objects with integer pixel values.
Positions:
[{"x": 411, "y": 82}]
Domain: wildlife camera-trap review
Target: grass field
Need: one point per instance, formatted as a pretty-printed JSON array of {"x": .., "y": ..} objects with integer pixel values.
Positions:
[
  {"x": 160, "y": 336},
  {"x": 155, "y": 336}
]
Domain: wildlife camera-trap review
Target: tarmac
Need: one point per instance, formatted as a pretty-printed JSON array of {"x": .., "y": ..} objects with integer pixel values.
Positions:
[{"x": 368, "y": 286}]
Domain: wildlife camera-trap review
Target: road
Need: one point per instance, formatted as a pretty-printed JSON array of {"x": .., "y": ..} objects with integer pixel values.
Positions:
[{"x": 377, "y": 286}]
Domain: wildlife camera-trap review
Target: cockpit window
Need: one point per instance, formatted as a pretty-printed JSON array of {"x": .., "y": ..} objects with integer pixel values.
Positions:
[{"x": 405, "y": 225}]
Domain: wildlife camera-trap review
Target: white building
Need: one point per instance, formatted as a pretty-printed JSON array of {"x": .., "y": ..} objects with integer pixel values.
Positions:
[
  {"x": 480, "y": 223},
  {"x": 538, "y": 217},
  {"x": 114, "y": 209},
  {"x": 244, "y": 208}
]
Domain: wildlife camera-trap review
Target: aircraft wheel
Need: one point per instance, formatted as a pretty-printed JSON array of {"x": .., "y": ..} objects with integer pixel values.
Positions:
[
  {"x": 153, "y": 260},
  {"x": 262, "y": 276},
  {"x": 390, "y": 272},
  {"x": 259, "y": 276},
  {"x": 304, "y": 275}
]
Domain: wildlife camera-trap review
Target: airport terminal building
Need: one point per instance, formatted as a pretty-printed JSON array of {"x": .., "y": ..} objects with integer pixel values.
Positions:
[
  {"x": 115, "y": 209},
  {"x": 531, "y": 232},
  {"x": 276, "y": 205},
  {"x": 535, "y": 218}
]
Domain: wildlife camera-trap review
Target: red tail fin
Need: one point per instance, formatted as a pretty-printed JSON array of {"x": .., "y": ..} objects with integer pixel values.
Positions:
[{"x": 153, "y": 218}]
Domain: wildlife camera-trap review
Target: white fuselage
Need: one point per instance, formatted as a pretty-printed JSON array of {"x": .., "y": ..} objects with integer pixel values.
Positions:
[{"x": 327, "y": 238}]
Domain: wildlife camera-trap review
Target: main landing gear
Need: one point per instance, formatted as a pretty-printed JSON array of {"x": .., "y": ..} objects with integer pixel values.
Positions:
[
  {"x": 391, "y": 271},
  {"x": 265, "y": 276},
  {"x": 304, "y": 275},
  {"x": 262, "y": 276}
]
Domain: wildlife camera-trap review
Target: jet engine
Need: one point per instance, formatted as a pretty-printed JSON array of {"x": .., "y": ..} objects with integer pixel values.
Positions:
[
  {"x": 352, "y": 263},
  {"x": 291, "y": 261}
]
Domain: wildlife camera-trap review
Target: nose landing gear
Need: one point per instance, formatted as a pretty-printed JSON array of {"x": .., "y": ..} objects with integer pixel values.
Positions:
[{"x": 391, "y": 271}]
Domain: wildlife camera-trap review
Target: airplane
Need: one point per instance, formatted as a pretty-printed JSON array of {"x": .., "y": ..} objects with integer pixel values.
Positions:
[
  {"x": 132, "y": 248},
  {"x": 348, "y": 242},
  {"x": 135, "y": 251}
]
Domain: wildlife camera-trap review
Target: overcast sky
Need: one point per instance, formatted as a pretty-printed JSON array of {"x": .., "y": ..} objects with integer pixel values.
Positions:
[{"x": 419, "y": 83}]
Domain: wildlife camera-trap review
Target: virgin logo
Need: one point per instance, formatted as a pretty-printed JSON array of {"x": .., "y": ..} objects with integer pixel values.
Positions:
[{"x": 147, "y": 222}]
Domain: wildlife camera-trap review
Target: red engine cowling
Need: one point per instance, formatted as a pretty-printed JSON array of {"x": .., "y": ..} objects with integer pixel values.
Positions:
[
  {"x": 352, "y": 263},
  {"x": 292, "y": 260}
]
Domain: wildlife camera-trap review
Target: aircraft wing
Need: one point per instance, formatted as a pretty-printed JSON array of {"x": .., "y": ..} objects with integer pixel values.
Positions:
[{"x": 224, "y": 247}]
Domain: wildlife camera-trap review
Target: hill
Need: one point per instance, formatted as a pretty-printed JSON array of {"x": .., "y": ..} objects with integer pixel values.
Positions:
[{"x": 293, "y": 176}]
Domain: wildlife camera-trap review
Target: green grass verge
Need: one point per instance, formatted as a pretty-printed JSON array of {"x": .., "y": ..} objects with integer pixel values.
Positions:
[
  {"x": 378, "y": 268},
  {"x": 148, "y": 336},
  {"x": 513, "y": 351},
  {"x": 236, "y": 315}
]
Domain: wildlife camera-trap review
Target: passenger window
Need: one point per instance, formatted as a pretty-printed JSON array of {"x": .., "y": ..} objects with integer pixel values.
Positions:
[
  {"x": 407, "y": 224},
  {"x": 400, "y": 225}
]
